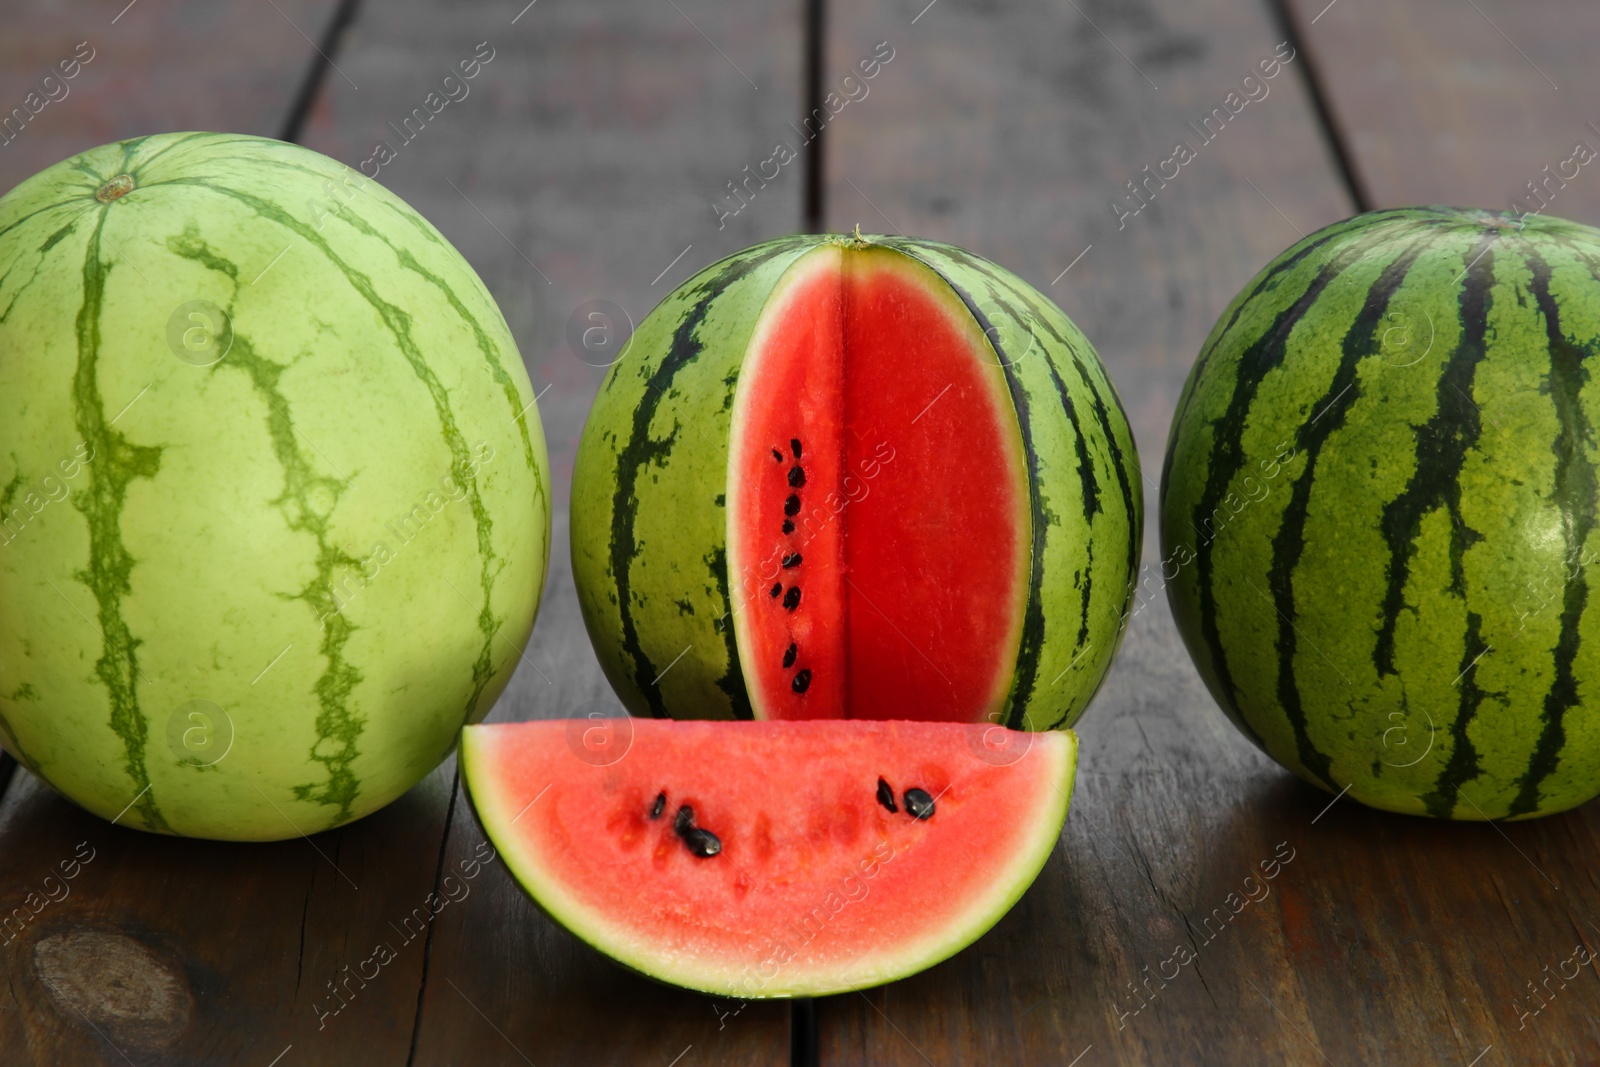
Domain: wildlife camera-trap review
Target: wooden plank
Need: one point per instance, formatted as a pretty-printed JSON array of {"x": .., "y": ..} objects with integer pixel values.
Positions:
[
  {"x": 1439, "y": 102},
  {"x": 1379, "y": 938},
  {"x": 1024, "y": 163},
  {"x": 149, "y": 67},
  {"x": 161, "y": 950},
  {"x": 582, "y": 165}
]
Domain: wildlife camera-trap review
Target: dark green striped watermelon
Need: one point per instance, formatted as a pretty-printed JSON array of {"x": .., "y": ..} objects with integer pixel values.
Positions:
[
  {"x": 274, "y": 507},
  {"x": 1378, "y": 512},
  {"x": 868, "y": 477}
]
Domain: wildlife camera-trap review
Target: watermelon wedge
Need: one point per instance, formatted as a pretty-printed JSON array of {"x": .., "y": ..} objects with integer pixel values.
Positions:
[{"x": 771, "y": 859}]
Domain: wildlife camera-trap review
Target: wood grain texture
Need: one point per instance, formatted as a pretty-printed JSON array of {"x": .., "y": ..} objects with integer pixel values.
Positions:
[
  {"x": 157, "y": 66},
  {"x": 585, "y": 159},
  {"x": 1014, "y": 134},
  {"x": 168, "y": 951},
  {"x": 1444, "y": 102},
  {"x": 1380, "y": 938}
]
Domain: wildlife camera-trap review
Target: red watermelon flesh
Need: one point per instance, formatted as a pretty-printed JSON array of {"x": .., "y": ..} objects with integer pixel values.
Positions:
[
  {"x": 760, "y": 859},
  {"x": 877, "y": 498}
]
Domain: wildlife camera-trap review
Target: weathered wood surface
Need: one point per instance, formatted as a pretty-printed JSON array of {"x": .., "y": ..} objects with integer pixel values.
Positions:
[
  {"x": 152, "y": 66},
  {"x": 191, "y": 952},
  {"x": 588, "y": 156},
  {"x": 1444, "y": 102}
]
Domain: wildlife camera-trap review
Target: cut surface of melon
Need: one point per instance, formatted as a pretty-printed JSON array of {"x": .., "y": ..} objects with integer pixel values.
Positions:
[
  {"x": 879, "y": 530},
  {"x": 816, "y": 886}
]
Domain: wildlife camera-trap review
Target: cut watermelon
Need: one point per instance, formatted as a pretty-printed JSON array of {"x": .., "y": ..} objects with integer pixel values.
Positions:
[
  {"x": 772, "y": 859},
  {"x": 856, "y": 478},
  {"x": 877, "y": 505}
]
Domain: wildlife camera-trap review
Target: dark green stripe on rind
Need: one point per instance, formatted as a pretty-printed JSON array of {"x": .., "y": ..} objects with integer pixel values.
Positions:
[
  {"x": 118, "y": 462},
  {"x": 1260, "y": 285},
  {"x": 1091, "y": 506},
  {"x": 520, "y": 410},
  {"x": 1113, "y": 426},
  {"x": 1226, "y": 461},
  {"x": 1574, "y": 493},
  {"x": 1263, "y": 354},
  {"x": 25, "y": 691},
  {"x": 642, "y": 450},
  {"x": 1360, "y": 341},
  {"x": 338, "y": 723},
  {"x": 1441, "y": 450},
  {"x": 19, "y": 289}
]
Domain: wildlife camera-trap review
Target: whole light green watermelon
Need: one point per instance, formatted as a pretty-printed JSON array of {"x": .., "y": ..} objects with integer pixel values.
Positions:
[{"x": 274, "y": 500}]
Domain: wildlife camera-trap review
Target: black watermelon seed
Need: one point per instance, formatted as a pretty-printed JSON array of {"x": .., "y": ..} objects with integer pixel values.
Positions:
[
  {"x": 659, "y": 806},
  {"x": 788, "y": 657},
  {"x": 777, "y": 587},
  {"x": 791, "y": 507},
  {"x": 886, "y": 796},
  {"x": 702, "y": 843},
  {"x": 788, "y": 527},
  {"x": 797, "y": 476},
  {"x": 777, "y": 456},
  {"x": 919, "y": 804},
  {"x": 802, "y": 681},
  {"x": 794, "y": 443},
  {"x": 791, "y": 599},
  {"x": 791, "y": 560}
]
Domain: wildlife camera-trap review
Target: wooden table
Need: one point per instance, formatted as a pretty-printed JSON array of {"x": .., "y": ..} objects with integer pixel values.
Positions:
[{"x": 585, "y": 164}]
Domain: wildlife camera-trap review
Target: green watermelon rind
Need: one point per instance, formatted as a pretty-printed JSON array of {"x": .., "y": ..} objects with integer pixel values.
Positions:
[
  {"x": 495, "y": 817},
  {"x": 216, "y": 541},
  {"x": 1399, "y": 604},
  {"x": 648, "y": 532}
]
